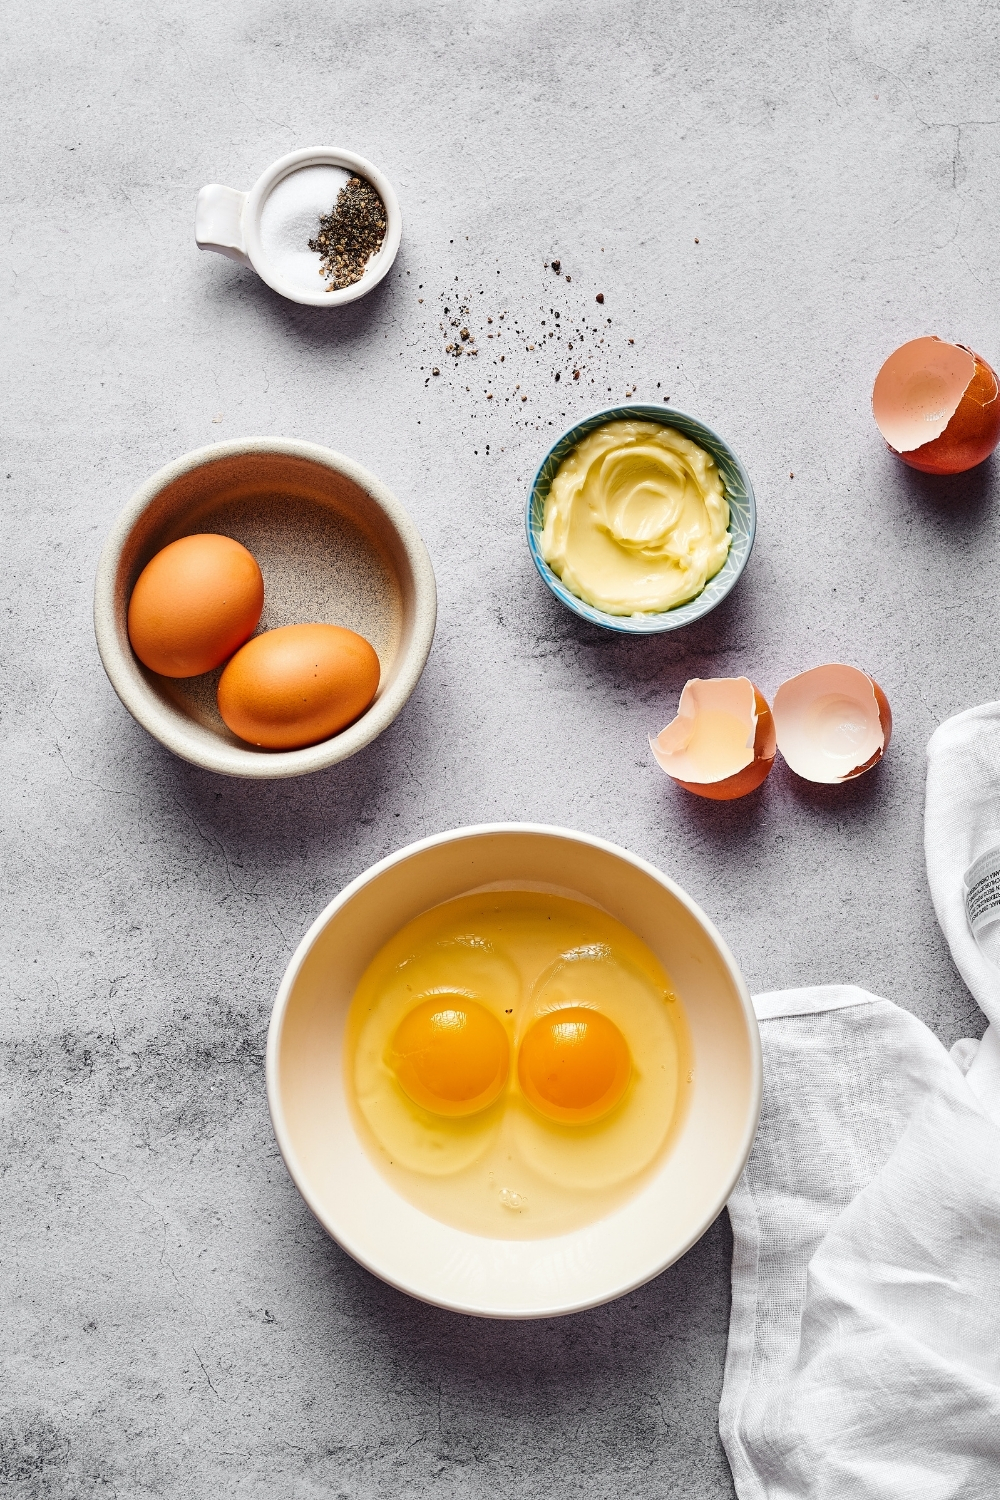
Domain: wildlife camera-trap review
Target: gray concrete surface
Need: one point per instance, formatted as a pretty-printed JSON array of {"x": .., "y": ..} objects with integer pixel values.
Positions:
[{"x": 771, "y": 197}]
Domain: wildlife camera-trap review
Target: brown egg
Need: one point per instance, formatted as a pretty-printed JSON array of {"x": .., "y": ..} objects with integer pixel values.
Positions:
[
  {"x": 194, "y": 604},
  {"x": 721, "y": 745},
  {"x": 298, "y": 685},
  {"x": 938, "y": 406}
]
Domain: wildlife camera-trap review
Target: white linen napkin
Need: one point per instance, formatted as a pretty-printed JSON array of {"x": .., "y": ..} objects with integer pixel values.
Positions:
[{"x": 864, "y": 1341}]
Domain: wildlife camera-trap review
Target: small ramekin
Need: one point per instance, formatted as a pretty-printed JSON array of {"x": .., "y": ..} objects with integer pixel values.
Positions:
[{"x": 742, "y": 519}]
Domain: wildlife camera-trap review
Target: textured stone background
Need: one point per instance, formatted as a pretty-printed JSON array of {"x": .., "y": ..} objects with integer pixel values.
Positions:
[{"x": 771, "y": 196}]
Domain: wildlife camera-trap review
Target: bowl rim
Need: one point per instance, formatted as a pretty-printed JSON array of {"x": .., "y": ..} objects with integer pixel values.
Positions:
[
  {"x": 143, "y": 704},
  {"x": 300, "y": 1178},
  {"x": 331, "y": 156},
  {"x": 684, "y": 614}
]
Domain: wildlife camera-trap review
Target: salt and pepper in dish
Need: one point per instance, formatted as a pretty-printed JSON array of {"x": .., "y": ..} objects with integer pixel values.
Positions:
[{"x": 269, "y": 228}]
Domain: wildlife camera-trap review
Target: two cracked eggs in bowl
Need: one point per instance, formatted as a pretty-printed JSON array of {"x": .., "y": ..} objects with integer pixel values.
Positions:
[{"x": 513, "y": 1209}]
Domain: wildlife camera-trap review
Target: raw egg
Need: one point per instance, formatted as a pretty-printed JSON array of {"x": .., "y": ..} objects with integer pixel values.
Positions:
[
  {"x": 422, "y": 1143},
  {"x": 194, "y": 604},
  {"x": 515, "y": 1062},
  {"x": 614, "y": 975},
  {"x": 938, "y": 406},
  {"x": 722, "y": 743},
  {"x": 833, "y": 723},
  {"x": 298, "y": 685}
]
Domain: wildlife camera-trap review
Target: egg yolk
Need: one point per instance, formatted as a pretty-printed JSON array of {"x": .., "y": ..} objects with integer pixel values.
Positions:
[
  {"x": 450, "y": 1055},
  {"x": 574, "y": 1065}
]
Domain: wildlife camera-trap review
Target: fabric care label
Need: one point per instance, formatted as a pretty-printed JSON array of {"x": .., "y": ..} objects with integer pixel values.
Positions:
[{"x": 982, "y": 891}]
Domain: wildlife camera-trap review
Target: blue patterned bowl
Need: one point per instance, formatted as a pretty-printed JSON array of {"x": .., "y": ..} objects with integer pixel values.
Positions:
[{"x": 742, "y": 519}]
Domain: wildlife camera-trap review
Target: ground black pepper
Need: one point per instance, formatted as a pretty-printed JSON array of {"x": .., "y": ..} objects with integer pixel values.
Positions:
[
  {"x": 350, "y": 234},
  {"x": 572, "y": 329}
]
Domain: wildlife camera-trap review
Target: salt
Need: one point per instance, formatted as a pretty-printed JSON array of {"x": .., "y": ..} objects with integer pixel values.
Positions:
[{"x": 289, "y": 219}]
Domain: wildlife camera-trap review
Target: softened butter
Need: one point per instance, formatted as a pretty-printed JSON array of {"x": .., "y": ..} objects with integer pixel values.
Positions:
[{"x": 636, "y": 519}]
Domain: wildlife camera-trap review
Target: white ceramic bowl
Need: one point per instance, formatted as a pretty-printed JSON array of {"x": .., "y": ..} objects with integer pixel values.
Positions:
[
  {"x": 335, "y": 547},
  {"x": 448, "y": 1267},
  {"x": 229, "y": 222}
]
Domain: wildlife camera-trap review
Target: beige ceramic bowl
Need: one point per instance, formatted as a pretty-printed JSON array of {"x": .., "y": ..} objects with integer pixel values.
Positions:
[
  {"x": 334, "y": 546},
  {"x": 466, "y": 1272}
]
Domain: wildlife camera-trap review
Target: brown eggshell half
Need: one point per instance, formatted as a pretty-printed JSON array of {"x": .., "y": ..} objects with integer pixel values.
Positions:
[
  {"x": 938, "y": 406},
  {"x": 833, "y": 723},
  {"x": 722, "y": 742}
]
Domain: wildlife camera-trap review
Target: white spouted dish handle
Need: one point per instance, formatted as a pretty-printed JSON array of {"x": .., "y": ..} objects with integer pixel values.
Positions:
[{"x": 218, "y": 221}]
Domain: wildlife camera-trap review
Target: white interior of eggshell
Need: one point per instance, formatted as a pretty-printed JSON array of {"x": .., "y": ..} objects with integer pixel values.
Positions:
[
  {"x": 713, "y": 735},
  {"x": 827, "y": 722},
  {"x": 918, "y": 390}
]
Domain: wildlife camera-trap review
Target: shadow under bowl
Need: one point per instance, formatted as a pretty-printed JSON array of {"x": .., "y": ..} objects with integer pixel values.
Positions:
[
  {"x": 742, "y": 519},
  {"x": 335, "y": 547}
]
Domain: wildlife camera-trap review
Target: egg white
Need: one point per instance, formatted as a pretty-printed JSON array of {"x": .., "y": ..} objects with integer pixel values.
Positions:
[
  {"x": 412, "y": 1136},
  {"x": 622, "y": 1143}
]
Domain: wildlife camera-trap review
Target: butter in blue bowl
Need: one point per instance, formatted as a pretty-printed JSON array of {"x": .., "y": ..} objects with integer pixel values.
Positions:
[{"x": 649, "y": 523}]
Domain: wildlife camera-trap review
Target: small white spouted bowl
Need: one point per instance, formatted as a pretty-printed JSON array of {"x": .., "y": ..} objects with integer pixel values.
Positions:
[
  {"x": 448, "y": 1267},
  {"x": 232, "y": 224}
]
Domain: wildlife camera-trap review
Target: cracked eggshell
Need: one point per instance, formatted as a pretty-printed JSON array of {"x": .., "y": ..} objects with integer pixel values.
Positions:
[
  {"x": 722, "y": 743},
  {"x": 833, "y": 723},
  {"x": 938, "y": 406}
]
